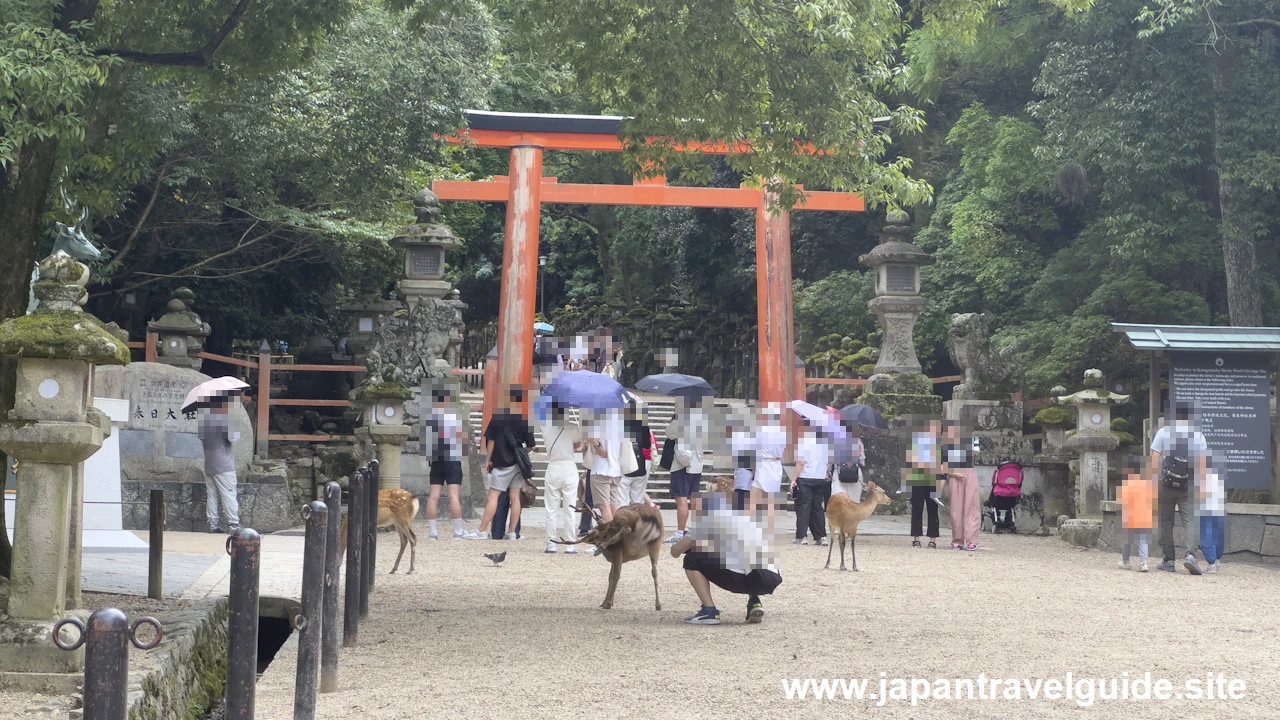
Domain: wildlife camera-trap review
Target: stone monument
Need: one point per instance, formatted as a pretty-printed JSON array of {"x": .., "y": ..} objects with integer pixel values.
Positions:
[
  {"x": 983, "y": 401},
  {"x": 51, "y": 430},
  {"x": 897, "y": 386},
  {"x": 1054, "y": 457},
  {"x": 424, "y": 244},
  {"x": 181, "y": 332}
]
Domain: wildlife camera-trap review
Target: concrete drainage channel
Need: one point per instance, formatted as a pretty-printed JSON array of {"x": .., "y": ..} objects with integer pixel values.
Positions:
[{"x": 189, "y": 681}]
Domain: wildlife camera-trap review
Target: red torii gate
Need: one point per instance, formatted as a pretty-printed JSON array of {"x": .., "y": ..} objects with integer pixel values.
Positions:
[{"x": 524, "y": 190}]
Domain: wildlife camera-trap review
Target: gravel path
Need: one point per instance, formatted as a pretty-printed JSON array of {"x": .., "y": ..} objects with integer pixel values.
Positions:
[{"x": 462, "y": 639}]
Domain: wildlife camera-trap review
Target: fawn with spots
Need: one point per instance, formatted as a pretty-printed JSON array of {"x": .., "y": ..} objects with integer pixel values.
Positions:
[{"x": 395, "y": 507}]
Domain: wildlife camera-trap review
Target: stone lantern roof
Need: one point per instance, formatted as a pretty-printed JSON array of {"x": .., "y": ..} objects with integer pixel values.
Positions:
[
  {"x": 895, "y": 244},
  {"x": 1093, "y": 392},
  {"x": 59, "y": 329},
  {"x": 427, "y": 230},
  {"x": 179, "y": 318}
]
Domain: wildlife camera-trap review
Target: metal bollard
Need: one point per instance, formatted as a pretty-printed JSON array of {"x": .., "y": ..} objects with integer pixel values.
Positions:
[
  {"x": 372, "y": 508},
  {"x": 155, "y": 561},
  {"x": 355, "y": 552},
  {"x": 106, "y": 659},
  {"x": 329, "y": 634},
  {"x": 308, "y": 623},
  {"x": 245, "y": 548}
]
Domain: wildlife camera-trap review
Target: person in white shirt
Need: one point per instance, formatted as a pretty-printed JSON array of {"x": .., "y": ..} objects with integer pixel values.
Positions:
[
  {"x": 812, "y": 458},
  {"x": 560, "y": 479},
  {"x": 604, "y": 442},
  {"x": 443, "y": 440}
]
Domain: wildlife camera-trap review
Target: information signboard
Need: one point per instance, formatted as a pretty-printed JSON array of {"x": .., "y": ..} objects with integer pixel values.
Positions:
[{"x": 1231, "y": 394}]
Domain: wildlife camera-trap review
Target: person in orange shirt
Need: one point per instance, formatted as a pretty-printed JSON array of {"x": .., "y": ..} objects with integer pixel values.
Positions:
[{"x": 1136, "y": 497}]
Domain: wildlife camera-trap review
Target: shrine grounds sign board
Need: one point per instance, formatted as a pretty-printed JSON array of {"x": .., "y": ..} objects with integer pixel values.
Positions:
[{"x": 1231, "y": 394}]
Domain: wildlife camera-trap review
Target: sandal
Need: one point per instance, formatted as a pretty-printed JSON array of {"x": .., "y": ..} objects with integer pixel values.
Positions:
[
  {"x": 933, "y": 545},
  {"x": 915, "y": 543}
]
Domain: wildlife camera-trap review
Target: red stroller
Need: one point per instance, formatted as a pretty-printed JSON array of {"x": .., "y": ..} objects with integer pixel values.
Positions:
[{"x": 1006, "y": 491}]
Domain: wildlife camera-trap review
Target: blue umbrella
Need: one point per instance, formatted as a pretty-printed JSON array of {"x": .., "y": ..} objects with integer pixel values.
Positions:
[
  {"x": 586, "y": 389},
  {"x": 690, "y": 387},
  {"x": 545, "y": 328}
]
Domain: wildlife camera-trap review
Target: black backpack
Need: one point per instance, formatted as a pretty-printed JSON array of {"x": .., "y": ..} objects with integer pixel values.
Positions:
[{"x": 1175, "y": 468}]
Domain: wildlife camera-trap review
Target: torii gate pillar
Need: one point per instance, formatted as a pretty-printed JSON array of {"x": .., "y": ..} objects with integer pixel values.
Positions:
[{"x": 776, "y": 343}]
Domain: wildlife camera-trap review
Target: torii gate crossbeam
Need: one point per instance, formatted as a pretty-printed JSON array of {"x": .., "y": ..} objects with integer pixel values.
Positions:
[{"x": 525, "y": 189}]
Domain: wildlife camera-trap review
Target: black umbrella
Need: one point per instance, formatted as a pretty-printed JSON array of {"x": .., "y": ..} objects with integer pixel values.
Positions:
[
  {"x": 690, "y": 387},
  {"x": 863, "y": 415}
]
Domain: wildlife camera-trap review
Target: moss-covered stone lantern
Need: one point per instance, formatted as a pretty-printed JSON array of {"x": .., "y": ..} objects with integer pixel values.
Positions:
[{"x": 51, "y": 430}]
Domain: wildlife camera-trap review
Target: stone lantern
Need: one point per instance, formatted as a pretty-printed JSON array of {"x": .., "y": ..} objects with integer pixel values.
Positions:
[
  {"x": 382, "y": 406},
  {"x": 181, "y": 331},
  {"x": 364, "y": 315},
  {"x": 424, "y": 244},
  {"x": 897, "y": 386},
  {"x": 51, "y": 430},
  {"x": 1092, "y": 440}
]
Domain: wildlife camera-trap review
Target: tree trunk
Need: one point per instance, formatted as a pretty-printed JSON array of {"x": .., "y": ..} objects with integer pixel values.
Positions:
[
  {"x": 24, "y": 191},
  {"x": 1244, "y": 303}
]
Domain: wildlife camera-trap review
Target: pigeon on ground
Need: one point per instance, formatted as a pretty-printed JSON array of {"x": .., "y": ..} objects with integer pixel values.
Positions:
[{"x": 497, "y": 557}]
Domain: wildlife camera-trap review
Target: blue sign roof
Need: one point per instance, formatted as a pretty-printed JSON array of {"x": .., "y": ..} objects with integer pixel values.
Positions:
[{"x": 1200, "y": 338}]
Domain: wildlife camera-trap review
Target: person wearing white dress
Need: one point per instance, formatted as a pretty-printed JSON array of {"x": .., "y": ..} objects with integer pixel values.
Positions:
[{"x": 771, "y": 445}]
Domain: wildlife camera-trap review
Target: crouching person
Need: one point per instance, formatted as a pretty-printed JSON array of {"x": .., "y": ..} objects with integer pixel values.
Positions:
[{"x": 728, "y": 550}]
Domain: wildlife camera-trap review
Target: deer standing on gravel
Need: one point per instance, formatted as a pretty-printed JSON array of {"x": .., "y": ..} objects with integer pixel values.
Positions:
[
  {"x": 634, "y": 531},
  {"x": 395, "y": 507},
  {"x": 844, "y": 515}
]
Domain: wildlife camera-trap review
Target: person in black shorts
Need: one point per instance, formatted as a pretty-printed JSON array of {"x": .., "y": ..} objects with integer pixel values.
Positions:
[
  {"x": 443, "y": 442},
  {"x": 728, "y": 550}
]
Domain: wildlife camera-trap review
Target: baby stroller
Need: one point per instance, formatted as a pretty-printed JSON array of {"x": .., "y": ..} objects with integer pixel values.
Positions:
[{"x": 1006, "y": 490}]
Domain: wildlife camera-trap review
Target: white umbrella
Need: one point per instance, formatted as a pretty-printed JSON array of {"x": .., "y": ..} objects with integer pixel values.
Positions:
[{"x": 206, "y": 393}]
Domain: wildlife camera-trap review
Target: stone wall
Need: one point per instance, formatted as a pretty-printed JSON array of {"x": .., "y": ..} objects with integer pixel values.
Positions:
[
  {"x": 1253, "y": 533},
  {"x": 266, "y": 503},
  {"x": 191, "y": 666}
]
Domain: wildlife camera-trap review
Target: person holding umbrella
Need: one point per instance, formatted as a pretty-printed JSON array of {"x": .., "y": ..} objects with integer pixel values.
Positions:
[{"x": 217, "y": 437}]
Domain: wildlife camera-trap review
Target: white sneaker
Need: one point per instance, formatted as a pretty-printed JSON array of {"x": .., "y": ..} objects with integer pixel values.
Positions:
[
  {"x": 551, "y": 548},
  {"x": 1143, "y": 567},
  {"x": 1124, "y": 564},
  {"x": 433, "y": 536},
  {"x": 593, "y": 551},
  {"x": 804, "y": 541},
  {"x": 459, "y": 534},
  {"x": 513, "y": 536},
  {"x": 475, "y": 535},
  {"x": 825, "y": 540},
  {"x": 1213, "y": 568},
  {"x": 570, "y": 549},
  {"x": 675, "y": 537}
]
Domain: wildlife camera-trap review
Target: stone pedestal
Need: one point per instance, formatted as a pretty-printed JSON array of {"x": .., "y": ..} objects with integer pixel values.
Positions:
[
  {"x": 986, "y": 417},
  {"x": 389, "y": 440},
  {"x": 1082, "y": 532},
  {"x": 51, "y": 430},
  {"x": 902, "y": 395}
]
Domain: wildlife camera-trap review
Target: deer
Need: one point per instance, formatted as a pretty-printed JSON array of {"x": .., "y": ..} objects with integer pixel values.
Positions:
[
  {"x": 395, "y": 507},
  {"x": 844, "y": 515},
  {"x": 634, "y": 531}
]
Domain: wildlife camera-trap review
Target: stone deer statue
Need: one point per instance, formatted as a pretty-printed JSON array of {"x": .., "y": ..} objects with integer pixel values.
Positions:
[
  {"x": 72, "y": 241},
  {"x": 986, "y": 369}
]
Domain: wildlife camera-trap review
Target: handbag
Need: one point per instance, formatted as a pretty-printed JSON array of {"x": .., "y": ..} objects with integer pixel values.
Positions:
[
  {"x": 627, "y": 458},
  {"x": 522, "y": 456},
  {"x": 528, "y": 495},
  {"x": 668, "y": 454}
]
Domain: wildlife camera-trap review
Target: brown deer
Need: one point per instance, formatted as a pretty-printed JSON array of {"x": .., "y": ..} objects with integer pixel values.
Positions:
[
  {"x": 395, "y": 507},
  {"x": 844, "y": 515},
  {"x": 634, "y": 531}
]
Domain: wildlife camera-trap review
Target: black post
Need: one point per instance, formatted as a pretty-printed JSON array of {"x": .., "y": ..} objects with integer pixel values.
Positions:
[
  {"x": 371, "y": 507},
  {"x": 245, "y": 548},
  {"x": 355, "y": 552},
  {"x": 309, "y": 622},
  {"x": 329, "y": 635},
  {"x": 106, "y": 659},
  {"x": 155, "y": 560}
]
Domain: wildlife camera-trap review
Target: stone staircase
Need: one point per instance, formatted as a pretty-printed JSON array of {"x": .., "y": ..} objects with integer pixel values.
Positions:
[{"x": 659, "y": 413}]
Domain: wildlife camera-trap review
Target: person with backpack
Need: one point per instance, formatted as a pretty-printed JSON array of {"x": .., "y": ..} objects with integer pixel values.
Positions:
[
  {"x": 507, "y": 435},
  {"x": 1179, "y": 458},
  {"x": 639, "y": 435}
]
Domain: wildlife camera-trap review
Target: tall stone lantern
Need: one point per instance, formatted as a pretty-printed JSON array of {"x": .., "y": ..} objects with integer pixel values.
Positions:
[
  {"x": 52, "y": 429},
  {"x": 424, "y": 244},
  {"x": 898, "y": 387},
  {"x": 1092, "y": 440},
  {"x": 181, "y": 331}
]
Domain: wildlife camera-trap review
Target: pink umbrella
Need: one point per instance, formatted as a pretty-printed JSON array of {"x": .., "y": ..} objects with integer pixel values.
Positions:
[{"x": 206, "y": 393}]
